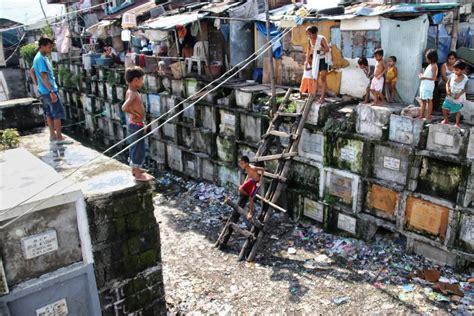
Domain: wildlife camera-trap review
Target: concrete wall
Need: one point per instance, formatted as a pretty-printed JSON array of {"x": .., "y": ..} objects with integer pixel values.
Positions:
[{"x": 359, "y": 168}]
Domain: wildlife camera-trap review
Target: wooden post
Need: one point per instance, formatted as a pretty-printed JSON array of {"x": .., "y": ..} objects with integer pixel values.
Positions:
[
  {"x": 270, "y": 57},
  {"x": 454, "y": 32}
]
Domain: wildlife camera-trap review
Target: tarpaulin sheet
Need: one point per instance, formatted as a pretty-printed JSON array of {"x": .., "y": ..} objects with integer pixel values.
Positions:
[
  {"x": 241, "y": 32},
  {"x": 277, "y": 47},
  {"x": 407, "y": 41}
]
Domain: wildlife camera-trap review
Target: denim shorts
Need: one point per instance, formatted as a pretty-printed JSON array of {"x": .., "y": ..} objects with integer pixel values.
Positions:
[
  {"x": 136, "y": 151},
  {"x": 52, "y": 110}
]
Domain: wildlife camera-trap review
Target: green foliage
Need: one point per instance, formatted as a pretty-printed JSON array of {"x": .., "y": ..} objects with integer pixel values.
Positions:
[
  {"x": 111, "y": 79},
  {"x": 9, "y": 138},
  {"x": 329, "y": 199},
  {"x": 290, "y": 108},
  {"x": 28, "y": 52},
  {"x": 48, "y": 31}
]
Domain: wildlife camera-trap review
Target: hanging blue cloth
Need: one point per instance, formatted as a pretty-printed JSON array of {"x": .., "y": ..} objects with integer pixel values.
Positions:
[{"x": 277, "y": 46}]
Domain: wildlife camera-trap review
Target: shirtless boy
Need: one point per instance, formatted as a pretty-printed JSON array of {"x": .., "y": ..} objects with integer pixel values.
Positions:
[
  {"x": 377, "y": 84},
  {"x": 133, "y": 106},
  {"x": 251, "y": 184}
]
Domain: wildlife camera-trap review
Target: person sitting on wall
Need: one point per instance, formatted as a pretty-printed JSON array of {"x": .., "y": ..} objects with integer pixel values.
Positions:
[{"x": 319, "y": 49}]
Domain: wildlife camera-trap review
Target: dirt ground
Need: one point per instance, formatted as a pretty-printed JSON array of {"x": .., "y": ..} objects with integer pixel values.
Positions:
[{"x": 200, "y": 279}]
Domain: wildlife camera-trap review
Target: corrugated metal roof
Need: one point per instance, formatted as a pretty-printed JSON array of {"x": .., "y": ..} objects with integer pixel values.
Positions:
[
  {"x": 218, "y": 8},
  {"x": 138, "y": 8},
  {"x": 171, "y": 21}
]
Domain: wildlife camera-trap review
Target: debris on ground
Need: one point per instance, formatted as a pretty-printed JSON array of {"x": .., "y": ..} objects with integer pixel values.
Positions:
[{"x": 301, "y": 268}]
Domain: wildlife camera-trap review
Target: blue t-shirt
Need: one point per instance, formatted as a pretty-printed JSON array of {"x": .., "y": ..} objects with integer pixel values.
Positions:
[{"x": 42, "y": 64}]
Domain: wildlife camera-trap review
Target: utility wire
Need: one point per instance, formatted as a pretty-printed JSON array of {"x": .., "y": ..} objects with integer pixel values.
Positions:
[{"x": 259, "y": 52}]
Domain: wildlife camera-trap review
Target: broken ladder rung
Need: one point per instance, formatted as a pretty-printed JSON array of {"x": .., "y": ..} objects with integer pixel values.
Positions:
[
  {"x": 274, "y": 157},
  {"x": 274, "y": 176},
  {"x": 241, "y": 231},
  {"x": 285, "y": 114},
  {"x": 279, "y": 134},
  {"x": 264, "y": 200}
]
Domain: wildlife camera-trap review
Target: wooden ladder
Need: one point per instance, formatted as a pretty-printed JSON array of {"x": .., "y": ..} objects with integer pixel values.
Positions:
[{"x": 277, "y": 180}]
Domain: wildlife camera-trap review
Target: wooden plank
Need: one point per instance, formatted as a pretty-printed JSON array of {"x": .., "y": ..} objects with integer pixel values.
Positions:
[
  {"x": 241, "y": 231},
  {"x": 289, "y": 114},
  {"x": 242, "y": 212},
  {"x": 274, "y": 157},
  {"x": 278, "y": 134},
  {"x": 264, "y": 200},
  {"x": 274, "y": 176}
]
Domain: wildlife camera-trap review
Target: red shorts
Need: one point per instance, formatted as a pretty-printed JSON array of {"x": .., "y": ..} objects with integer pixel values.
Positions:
[{"x": 250, "y": 187}]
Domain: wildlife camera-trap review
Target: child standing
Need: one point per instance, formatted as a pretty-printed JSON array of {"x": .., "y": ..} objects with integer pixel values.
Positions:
[
  {"x": 391, "y": 78},
  {"x": 307, "y": 86},
  {"x": 369, "y": 73},
  {"x": 427, "y": 85},
  {"x": 133, "y": 106},
  {"x": 252, "y": 183},
  {"x": 455, "y": 93},
  {"x": 376, "y": 86}
]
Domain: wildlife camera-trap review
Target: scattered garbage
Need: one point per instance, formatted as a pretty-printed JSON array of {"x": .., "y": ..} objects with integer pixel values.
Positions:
[{"x": 298, "y": 258}]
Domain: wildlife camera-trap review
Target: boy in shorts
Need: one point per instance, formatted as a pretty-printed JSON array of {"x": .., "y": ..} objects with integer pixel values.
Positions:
[{"x": 250, "y": 187}]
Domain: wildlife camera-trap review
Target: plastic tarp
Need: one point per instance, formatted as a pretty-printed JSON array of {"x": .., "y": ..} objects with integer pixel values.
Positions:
[
  {"x": 241, "y": 32},
  {"x": 444, "y": 42},
  {"x": 277, "y": 47},
  {"x": 407, "y": 41}
]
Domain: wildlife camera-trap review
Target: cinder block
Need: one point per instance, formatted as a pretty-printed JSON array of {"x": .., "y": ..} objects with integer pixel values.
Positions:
[
  {"x": 311, "y": 146},
  {"x": 251, "y": 128},
  {"x": 470, "y": 147},
  {"x": 88, "y": 103},
  {"x": 206, "y": 169},
  {"x": 382, "y": 201},
  {"x": 177, "y": 87},
  {"x": 405, "y": 130},
  {"x": 151, "y": 83},
  {"x": 314, "y": 210},
  {"x": 157, "y": 151},
  {"x": 111, "y": 93},
  {"x": 192, "y": 86},
  {"x": 154, "y": 104},
  {"x": 226, "y": 149},
  {"x": 426, "y": 217},
  {"x": 445, "y": 139},
  {"x": 205, "y": 118},
  {"x": 313, "y": 115},
  {"x": 372, "y": 120},
  {"x": 433, "y": 253},
  {"x": 190, "y": 165},
  {"x": 342, "y": 185},
  {"x": 116, "y": 111},
  {"x": 102, "y": 91},
  {"x": 169, "y": 131},
  {"x": 348, "y": 154},
  {"x": 175, "y": 159},
  {"x": 244, "y": 99},
  {"x": 467, "y": 112},
  {"x": 305, "y": 177},
  {"x": 120, "y": 90},
  {"x": 228, "y": 123},
  {"x": 439, "y": 178},
  {"x": 392, "y": 163},
  {"x": 189, "y": 114},
  {"x": 466, "y": 233},
  {"x": 228, "y": 177},
  {"x": 185, "y": 137},
  {"x": 90, "y": 122},
  {"x": 347, "y": 223},
  {"x": 204, "y": 142},
  {"x": 468, "y": 200}
]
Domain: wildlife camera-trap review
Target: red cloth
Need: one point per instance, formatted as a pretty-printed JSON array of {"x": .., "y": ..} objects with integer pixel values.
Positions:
[{"x": 250, "y": 187}]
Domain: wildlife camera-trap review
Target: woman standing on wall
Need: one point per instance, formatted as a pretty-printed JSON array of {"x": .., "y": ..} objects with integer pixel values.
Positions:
[{"x": 319, "y": 49}]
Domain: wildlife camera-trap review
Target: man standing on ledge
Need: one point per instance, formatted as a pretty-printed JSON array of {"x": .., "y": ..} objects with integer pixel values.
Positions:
[{"x": 43, "y": 77}]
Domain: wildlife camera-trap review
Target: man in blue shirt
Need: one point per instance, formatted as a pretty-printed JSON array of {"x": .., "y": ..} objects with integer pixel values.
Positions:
[{"x": 43, "y": 77}]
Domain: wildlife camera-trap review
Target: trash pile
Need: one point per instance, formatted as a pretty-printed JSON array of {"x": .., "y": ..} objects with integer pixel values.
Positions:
[
  {"x": 382, "y": 264},
  {"x": 385, "y": 262}
]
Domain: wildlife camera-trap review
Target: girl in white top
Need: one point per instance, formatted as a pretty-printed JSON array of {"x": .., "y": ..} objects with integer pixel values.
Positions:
[
  {"x": 318, "y": 48},
  {"x": 427, "y": 85},
  {"x": 455, "y": 93}
]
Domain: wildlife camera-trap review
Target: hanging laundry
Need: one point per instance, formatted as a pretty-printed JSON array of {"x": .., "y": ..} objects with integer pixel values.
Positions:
[
  {"x": 182, "y": 31},
  {"x": 63, "y": 38},
  {"x": 195, "y": 28}
]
